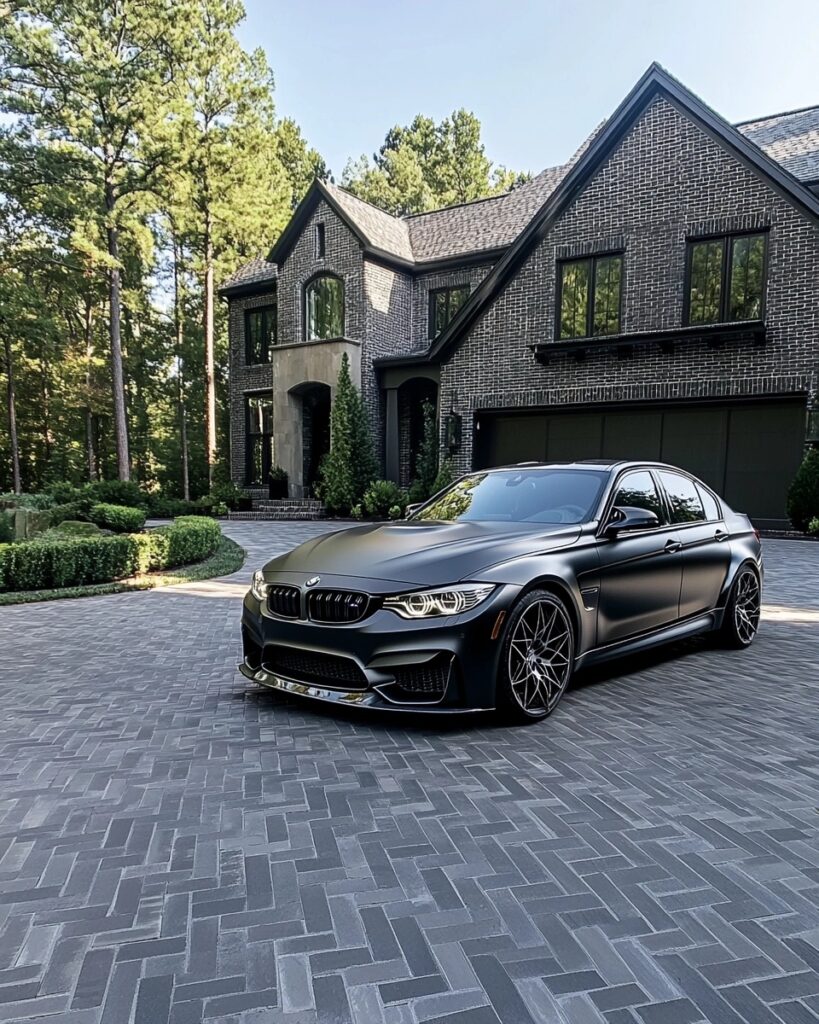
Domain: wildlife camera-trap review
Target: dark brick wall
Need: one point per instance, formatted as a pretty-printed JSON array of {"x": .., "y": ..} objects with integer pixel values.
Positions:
[
  {"x": 666, "y": 180},
  {"x": 425, "y": 283},
  {"x": 243, "y": 379},
  {"x": 388, "y": 295}
]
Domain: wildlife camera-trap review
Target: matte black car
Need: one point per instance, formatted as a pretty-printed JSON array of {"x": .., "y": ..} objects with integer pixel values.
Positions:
[{"x": 492, "y": 593}]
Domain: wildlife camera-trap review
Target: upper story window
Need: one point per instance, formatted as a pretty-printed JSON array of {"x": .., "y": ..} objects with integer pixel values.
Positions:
[
  {"x": 260, "y": 334},
  {"x": 321, "y": 240},
  {"x": 324, "y": 300},
  {"x": 444, "y": 303},
  {"x": 726, "y": 279},
  {"x": 589, "y": 292}
]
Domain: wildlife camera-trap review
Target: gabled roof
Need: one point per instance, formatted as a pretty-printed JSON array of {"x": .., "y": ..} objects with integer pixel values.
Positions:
[
  {"x": 655, "y": 82},
  {"x": 791, "y": 138},
  {"x": 256, "y": 271}
]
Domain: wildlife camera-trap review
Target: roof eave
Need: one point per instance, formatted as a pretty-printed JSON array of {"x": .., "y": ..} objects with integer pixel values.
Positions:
[{"x": 653, "y": 82}]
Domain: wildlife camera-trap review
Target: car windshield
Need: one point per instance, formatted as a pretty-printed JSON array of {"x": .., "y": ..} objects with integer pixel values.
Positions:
[{"x": 520, "y": 496}]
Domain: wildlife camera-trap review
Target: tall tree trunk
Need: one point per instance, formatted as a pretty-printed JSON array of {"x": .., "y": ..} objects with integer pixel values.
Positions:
[
  {"x": 210, "y": 383},
  {"x": 115, "y": 314},
  {"x": 12, "y": 413},
  {"x": 179, "y": 325},
  {"x": 90, "y": 448}
]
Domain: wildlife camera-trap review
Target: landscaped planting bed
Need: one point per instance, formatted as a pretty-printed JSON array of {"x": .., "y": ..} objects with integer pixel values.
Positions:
[{"x": 47, "y": 563}]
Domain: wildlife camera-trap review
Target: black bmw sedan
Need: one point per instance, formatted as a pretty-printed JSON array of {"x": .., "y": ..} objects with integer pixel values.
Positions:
[{"x": 491, "y": 594}]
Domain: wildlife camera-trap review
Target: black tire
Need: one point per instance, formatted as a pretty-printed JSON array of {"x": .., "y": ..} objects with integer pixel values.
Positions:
[
  {"x": 535, "y": 669},
  {"x": 741, "y": 619}
]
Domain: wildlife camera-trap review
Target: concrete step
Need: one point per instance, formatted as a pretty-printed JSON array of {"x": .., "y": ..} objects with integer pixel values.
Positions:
[{"x": 290, "y": 508}]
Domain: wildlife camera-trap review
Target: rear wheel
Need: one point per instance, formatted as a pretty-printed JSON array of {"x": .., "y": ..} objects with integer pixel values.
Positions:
[
  {"x": 741, "y": 619},
  {"x": 537, "y": 658}
]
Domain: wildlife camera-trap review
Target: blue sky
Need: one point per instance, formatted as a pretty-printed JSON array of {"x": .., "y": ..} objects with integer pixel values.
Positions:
[{"x": 539, "y": 76}]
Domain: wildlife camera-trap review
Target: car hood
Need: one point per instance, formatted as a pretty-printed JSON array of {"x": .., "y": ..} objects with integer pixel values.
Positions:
[{"x": 421, "y": 553}]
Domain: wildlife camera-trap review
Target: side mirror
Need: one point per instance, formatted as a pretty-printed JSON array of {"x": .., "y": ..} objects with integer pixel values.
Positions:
[
  {"x": 626, "y": 518},
  {"x": 412, "y": 509}
]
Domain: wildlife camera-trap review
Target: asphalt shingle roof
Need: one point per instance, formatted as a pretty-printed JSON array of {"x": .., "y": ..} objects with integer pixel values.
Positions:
[
  {"x": 250, "y": 273},
  {"x": 792, "y": 139}
]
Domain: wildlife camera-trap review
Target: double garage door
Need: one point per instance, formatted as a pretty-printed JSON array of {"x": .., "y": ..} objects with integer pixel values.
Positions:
[{"x": 748, "y": 452}]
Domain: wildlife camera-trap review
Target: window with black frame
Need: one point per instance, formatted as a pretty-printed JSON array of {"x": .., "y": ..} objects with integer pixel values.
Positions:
[
  {"x": 444, "y": 304},
  {"x": 324, "y": 308},
  {"x": 258, "y": 439},
  {"x": 726, "y": 279},
  {"x": 589, "y": 296},
  {"x": 260, "y": 334}
]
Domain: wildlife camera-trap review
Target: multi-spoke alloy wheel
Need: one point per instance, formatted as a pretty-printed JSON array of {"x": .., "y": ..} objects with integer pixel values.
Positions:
[
  {"x": 538, "y": 655},
  {"x": 742, "y": 614}
]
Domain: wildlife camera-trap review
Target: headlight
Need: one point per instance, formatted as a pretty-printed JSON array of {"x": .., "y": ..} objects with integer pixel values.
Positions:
[
  {"x": 258, "y": 587},
  {"x": 426, "y": 604}
]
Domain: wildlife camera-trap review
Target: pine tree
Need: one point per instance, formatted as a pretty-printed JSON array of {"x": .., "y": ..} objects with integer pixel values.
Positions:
[
  {"x": 349, "y": 467},
  {"x": 426, "y": 466}
]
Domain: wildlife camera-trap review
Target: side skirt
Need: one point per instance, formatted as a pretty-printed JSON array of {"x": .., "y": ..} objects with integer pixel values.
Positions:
[{"x": 677, "y": 631}]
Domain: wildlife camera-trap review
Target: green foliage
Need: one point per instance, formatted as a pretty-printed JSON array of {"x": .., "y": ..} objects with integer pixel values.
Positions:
[
  {"x": 117, "y": 492},
  {"x": 426, "y": 467},
  {"x": 29, "y": 522},
  {"x": 71, "y": 510},
  {"x": 32, "y": 501},
  {"x": 397, "y": 512},
  {"x": 119, "y": 518},
  {"x": 813, "y": 527},
  {"x": 424, "y": 165},
  {"x": 6, "y": 527},
  {"x": 357, "y": 512},
  {"x": 72, "y": 528},
  {"x": 349, "y": 467},
  {"x": 381, "y": 497},
  {"x": 446, "y": 475},
  {"x": 228, "y": 494},
  {"x": 39, "y": 564},
  {"x": 32, "y": 565},
  {"x": 803, "y": 496}
]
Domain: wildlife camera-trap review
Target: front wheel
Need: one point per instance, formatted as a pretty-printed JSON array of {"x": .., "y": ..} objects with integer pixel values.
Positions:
[
  {"x": 741, "y": 619},
  {"x": 537, "y": 658}
]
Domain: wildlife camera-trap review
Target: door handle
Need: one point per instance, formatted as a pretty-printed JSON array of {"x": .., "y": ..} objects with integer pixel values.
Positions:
[
  {"x": 720, "y": 535},
  {"x": 672, "y": 546}
]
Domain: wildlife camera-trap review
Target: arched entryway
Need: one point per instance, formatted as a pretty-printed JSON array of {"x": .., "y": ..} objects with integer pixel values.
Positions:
[
  {"x": 413, "y": 394},
  {"x": 315, "y": 400}
]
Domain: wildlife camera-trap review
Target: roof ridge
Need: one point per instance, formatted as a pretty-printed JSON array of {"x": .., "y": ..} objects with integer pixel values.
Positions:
[
  {"x": 455, "y": 206},
  {"x": 782, "y": 113},
  {"x": 366, "y": 202}
]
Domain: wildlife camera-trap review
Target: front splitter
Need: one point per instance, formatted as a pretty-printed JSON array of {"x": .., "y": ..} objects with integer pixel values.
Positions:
[{"x": 348, "y": 698}]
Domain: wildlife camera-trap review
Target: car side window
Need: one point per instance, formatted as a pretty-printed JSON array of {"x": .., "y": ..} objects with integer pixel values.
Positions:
[
  {"x": 709, "y": 504},
  {"x": 683, "y": 498},
  {"x": 638, "y": 490}
]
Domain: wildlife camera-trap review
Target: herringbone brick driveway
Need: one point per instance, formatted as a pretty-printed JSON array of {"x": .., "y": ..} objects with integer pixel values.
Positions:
[{"x": 176, "y": 847}]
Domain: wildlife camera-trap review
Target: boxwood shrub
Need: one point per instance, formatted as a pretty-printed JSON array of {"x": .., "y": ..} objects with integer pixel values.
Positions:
[
  {"x": 119, "y": 518},
  {"x": 43, "y": 564}
]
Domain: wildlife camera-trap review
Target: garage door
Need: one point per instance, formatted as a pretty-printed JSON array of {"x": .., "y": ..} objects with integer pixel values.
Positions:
[{"x": 747, "y": 452}]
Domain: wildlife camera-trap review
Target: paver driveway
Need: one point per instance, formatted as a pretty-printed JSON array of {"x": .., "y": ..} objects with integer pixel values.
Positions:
[{"x": 175, "y": 846}]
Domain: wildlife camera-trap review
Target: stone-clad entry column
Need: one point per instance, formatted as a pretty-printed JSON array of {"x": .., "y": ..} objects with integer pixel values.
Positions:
[{"x": 299, "y": 370}]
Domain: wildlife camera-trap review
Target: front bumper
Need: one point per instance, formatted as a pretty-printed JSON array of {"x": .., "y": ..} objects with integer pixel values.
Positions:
[{"x": 384, "y": 662}]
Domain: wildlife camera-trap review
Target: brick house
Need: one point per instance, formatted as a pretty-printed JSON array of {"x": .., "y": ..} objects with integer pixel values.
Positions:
[{"x": 655, "y": 297}]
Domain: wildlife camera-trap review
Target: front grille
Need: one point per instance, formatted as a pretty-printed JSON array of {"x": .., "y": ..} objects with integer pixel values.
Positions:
[
  {"x": 284, "y": 601},
  {"x": 428, "y": 680},
  {"x": 336, "y": 605},
  {"x": 314, "y": 667}
]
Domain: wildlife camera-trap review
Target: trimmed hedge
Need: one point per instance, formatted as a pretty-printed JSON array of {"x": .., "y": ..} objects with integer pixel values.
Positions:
[
  {"x": 119, "y": 518},
  {"x": 43, "y": 564},
  {"x": 803, "y": 496}
]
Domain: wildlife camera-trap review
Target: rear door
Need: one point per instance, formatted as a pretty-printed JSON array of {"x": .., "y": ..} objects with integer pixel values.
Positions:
[
  {"x": 640, "y": 572},
  {"x": 706, "y": 553}
]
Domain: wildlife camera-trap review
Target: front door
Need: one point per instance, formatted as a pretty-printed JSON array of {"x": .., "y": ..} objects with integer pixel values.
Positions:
[
  {"x": 640, "y": 572},
  {"x": 319, "y": 436},
  {"x": 258, "y": 439}
]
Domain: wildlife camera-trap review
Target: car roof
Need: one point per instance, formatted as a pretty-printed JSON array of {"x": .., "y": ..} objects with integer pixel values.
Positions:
[{"x": 590, "y": 464}]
